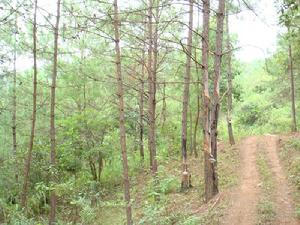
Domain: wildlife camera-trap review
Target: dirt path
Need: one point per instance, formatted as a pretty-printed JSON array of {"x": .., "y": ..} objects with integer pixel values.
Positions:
[
  {"x": 284, "y": 204},
  {"x": 244, "y": 199}
]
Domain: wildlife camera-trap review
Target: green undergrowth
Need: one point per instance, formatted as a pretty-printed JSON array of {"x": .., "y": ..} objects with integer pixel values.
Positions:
[
  {"x": 175, "y": 207},
  {"x": 265, "y": 207},
  {"x": 228, "y": 162},
  {"x": 89, "y": 203},
  {"x": 290, "y": 155}
]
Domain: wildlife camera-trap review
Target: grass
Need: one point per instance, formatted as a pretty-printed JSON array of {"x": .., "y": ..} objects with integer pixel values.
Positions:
[
  {"x": 265, "y": 207},
  {"x": 227, "y": 167},
  {"x": 290, "y": 156}
]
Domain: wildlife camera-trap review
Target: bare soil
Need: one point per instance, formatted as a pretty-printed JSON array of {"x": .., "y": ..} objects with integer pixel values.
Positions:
[{"x": 244, "y": 199}]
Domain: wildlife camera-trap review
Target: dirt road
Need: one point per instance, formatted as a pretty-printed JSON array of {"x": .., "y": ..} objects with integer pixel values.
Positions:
[{"x": 244, "y": 198}]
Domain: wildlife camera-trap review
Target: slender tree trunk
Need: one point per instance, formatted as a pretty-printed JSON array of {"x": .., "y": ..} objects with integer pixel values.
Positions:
[
  {"x": 150, "y": 84},
  {"x": 141, "y": 106},
  {"x": 217, "y": 73},
  {"x": 229, "y": 84},
  {"x": 294, "y": 122},
  {"x": 185, "y": 103},
  {"x": 155, "y": 49},
  {"x": 191, "y": 130},
  {"x": 194, "y": 149},
  {"x": 210, "y": 175},
  {"x": 121, "y": 114},
  {"x": 153, "y": 102},
  {"x": 52, "y": 216},
  {"x": 151, "y": 97},
  {"x": 33, "y": 119},
  {"x": 216, "y": 92},
  {"x": 14, "y": 98},
  {"x": 198, "y": 106}
]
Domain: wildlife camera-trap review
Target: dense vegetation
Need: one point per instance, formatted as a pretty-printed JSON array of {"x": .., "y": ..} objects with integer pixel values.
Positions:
[{"x": 95, "y": 84}]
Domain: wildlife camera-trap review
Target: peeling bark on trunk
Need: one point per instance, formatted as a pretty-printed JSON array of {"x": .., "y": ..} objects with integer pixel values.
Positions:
[
  {"x": 53, "y": 200},
  {"x": 217, "y": 71},
  {"x": 120, "y": 94},
  {"x": 216, "y": 93},
  {"x": 198, "y": 108},
  {"x": 194, "y": 149},
  {"x": 185, "y": 103},
  {"x": 229, "y": 85},
  {"x": 210, "y": 174},
  {"x": 33, "y": 119}
]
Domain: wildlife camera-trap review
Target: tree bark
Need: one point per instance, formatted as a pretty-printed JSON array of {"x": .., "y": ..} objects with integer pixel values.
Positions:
[
  {"x": 210, "y": 175},
  {"x": 191, "y": 130},
  {"x": 194, "y": 150},
  {"x": 152, "y": 89},
  {"x": 52, "y": 216},
  {"x": 229, "y": 84},
  {"x": 294, "y": 121},
  {"x": 14, "y": 98},
  {"x": 121, "y": 114},
  {"x": 33, "y": 119},
  {"x": 185, "y": 102},
  {"x": 141, "y": 107},
  {"x": 216, "y": 91},
  {"x": 198, "y": 106}
]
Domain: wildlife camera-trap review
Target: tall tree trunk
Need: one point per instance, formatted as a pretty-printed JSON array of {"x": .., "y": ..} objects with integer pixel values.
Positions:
[
  {"x": 33, "y": 119},
  {"x": 150, "y": 83},
  {"x": 194, "y": 149},
  {"x": 155, "y": 48},
  {"x": 151, "y": 97},
  {"x": 154, "y": 74},
  {"x": 185, "y": 102},
  {"x": 121, "y": 114},
  {"x": 141, "y": 106},
  {"x": 216, "y": 92},
  {"x": 229, "y": 84},
  {"x": 198, "y": 106},
  {"x": 294, "y": 122},
  {"x": 191, "y": 130},
  {"x": 14, "y": 98},
  {"x": 210, "y": 175},
  {"x": 52, "y": 216}
]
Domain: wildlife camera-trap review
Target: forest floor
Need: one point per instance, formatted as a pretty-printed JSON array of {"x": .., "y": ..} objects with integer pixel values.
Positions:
[
  {"x": 176, "y": 207},
  {"x": 254, "y": 181},
  {"x": 264, "y": 195}
]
